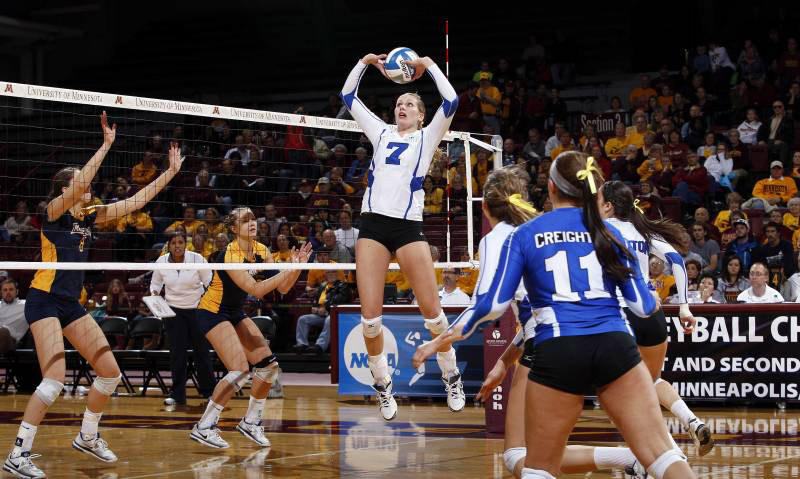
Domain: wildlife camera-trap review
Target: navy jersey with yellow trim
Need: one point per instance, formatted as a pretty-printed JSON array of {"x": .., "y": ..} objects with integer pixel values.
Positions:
[
  {"x": 223, "y": 291},
  {"x": 65, "y": 240}
]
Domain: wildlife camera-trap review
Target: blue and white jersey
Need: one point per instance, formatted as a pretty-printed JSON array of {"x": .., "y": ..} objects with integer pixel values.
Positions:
[
  {"x": 569, "y": 293},
  {"x": 642, "y": 250},
  {"x": 400, "y": 162}
]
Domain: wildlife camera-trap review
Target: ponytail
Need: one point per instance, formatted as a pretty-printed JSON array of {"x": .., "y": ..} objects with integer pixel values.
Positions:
[
  {"x": 505, "y": 194},
  {"x": 621, "y": 198},
  {"x": 565, "y": 173}
]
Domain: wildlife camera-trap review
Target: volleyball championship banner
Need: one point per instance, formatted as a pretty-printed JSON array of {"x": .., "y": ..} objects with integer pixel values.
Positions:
[
  {"x": 736, "y": 353},
  {"x": 403, "y": 332}
]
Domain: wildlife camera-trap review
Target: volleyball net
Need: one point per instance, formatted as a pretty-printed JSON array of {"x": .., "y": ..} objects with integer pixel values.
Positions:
[{"x": 302, "y": 175}]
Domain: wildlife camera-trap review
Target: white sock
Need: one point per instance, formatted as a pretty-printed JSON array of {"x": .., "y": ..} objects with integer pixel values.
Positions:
[
  {"x": 89, "y": 424},
  {"x": 24, "y": 440},
  {"x": 682, "y": 411},
  {"x": 254, "y": 410},
  {"x": 535, "y": 474},
  {"x": 211, "y": 416},
  {"x": 379, "y": 368},
  {"x": 447, "y": 363},
  {"x": 612, "y": 457}
]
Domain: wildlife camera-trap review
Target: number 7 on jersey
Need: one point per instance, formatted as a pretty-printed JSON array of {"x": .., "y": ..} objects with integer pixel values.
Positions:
[{"x": 394, "y": 157}]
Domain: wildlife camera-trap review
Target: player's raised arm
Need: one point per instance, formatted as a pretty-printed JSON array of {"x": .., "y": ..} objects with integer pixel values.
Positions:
[{"x": 367, "y": 120}]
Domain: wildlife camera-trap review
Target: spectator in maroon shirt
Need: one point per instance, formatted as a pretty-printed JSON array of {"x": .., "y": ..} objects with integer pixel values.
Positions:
[
  {"x": 299, "y": 200},
  {"x": 468, "y": 116},
  {"x": 662, "y": 180},
  {"x": 324, "y": 198},
  {"x": 789, "y": 63},
  {"x": 691, "y": 181},
  {"x": 676, "y": 150},
  {"x": 202, "y": 195}
]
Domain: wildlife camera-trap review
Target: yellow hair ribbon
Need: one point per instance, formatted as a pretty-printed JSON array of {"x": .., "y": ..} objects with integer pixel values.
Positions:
[
  {"x": 586, "y": 174},
  {"x": 516, "y": 200},
  {"x": 637, "y": 207}
]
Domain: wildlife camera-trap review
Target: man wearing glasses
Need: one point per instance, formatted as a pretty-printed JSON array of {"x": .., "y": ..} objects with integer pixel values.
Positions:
[
  {"x": 759, "y": 291},
  {"x": 778, "y": 133}
]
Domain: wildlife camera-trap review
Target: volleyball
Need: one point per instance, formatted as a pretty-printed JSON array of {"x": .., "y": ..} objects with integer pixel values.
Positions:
[{"x": 396, "y": 65}]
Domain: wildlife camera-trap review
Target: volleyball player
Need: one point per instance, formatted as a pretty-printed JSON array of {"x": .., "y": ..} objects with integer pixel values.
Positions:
[
  {"x": 234, "y": 336},
  {"x": 572, "y": 264},
  {"x": 54, "y": 313},
  {"x": 645, "y": 237},
  {"x": 391, "y": 220}
]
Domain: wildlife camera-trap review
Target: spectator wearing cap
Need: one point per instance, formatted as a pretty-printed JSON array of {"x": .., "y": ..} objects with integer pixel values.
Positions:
[
  {"x": 743, "y": 245},
  {"x": 777, "y": 133},
  {"x": 12, "y": 316},
  {"x": 490, "y": 98},
  {"x": 777, "y": 189},
  {"x": 759, "y": 291},
  {"x": 299, "y": 200},
  {"x": 323, "y": 198}
]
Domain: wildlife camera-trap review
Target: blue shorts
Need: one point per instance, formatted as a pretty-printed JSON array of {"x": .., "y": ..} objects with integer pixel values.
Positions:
[
  {"x": 207, "y": 320},
  {"x": 40, "y": 305}
]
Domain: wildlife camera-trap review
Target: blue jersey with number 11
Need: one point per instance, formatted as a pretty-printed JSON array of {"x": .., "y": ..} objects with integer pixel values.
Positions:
[{"x": 568, "y": 291}]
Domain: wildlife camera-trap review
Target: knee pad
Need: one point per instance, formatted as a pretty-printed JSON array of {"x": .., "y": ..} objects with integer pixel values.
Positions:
[
  {"x": 106, "y": 386},
  {"x": 536, "y": 474},
  {"x": 237, "y": 379},
  {"x": 659, "y": 467},
  {"x": 512, "y": 456},
  {"x": 48, "y": 390},
  {"x": 437, "y": 325},
  {"x": 267, "y": 374},
  {"x": 659, "y": 380},
  {"x": 371, "y": 327},
  {"x": 266, "y": 361}
]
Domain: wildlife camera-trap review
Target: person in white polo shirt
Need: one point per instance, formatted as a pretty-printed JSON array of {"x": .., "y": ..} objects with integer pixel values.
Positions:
[
  {"x": 183, "y": 290},
  {"x": 451, "y": 294},
  {"x": 12, "y": 316},
  {"x": 759, "y": 291}
]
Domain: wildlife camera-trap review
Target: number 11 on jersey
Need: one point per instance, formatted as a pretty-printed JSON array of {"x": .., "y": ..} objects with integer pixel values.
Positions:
[{"x": 559, "y": 266}]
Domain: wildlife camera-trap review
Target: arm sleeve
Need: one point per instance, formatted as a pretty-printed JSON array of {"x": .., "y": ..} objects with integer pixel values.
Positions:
[
  {"x": 666, "y": 252},
  {"x": 371, "y": 124},
  {"x": 157, "y": 281},
  {"x": 441, "y": 120},
  {"x": 493, "y": 301}
]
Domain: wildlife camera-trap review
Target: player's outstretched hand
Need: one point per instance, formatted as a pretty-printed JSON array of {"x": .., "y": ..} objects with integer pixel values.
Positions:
[
  {"x": 175, "y": 158},
  {"x": 493, "y": 379},
  {"x": 420, "y": 65},
  {"x": 377, "y": 61},
  {"x": 109, "y": 134}
]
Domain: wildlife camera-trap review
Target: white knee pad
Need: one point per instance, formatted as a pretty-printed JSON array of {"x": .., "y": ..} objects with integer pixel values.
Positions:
[
  {"x": 437, "y": 325},
  {"x": 536, "y": 474},
  {"x": 660, "y": 465},
  {"x": 237, "y": 379},
  {"x": 48, "y": 390},
  {"x": 659, "y": 380},
  {"x": 371, "y": 327},
  {"x": 106, "y": 386},
  {"x": 267, "y": 374},
  {"x": 512, "y": 456}
]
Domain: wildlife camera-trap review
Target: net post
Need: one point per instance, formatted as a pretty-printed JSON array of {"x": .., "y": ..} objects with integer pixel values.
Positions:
[
  {"x": 468, "y": 186},
  {"x": 497, "y": 143}
]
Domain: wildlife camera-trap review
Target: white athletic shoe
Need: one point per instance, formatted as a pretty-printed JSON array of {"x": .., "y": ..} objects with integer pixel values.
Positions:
[
  {"x": 209, "y": 437},
  {"x": 22, "y": 466},
  {"x": 701, "y": 435},
  {"x": 636, "y": 471},
  {"x": 455, "y": 393},
  {"x": 95, "y": 447},
  {"x": 254, "y": 432},
  {"x": 386, "y": 402}
]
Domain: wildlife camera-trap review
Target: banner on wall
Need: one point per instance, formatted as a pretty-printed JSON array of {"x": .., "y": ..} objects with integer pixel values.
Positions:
[
  {"x": 750, "y": 356},
  {"x": 403, "y": 332}
]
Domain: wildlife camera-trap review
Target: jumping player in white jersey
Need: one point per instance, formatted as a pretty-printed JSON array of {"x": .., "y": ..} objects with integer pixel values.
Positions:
[
  {"x": 391, "y": 219},
  {"x": 643, "y": 238}
]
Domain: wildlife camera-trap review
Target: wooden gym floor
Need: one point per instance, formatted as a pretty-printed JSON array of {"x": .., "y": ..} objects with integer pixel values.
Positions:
[{"x": 316, "y": 434}]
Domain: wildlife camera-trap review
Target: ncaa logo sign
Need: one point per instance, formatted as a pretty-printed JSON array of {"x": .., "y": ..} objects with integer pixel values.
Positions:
[
  {"x": 355, "y": 354},
  {"x": 496, "y": 334}
]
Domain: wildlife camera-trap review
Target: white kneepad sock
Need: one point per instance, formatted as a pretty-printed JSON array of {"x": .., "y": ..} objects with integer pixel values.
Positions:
[
  {"x": 659, "y": 467},
  {"x": 237, "y": 379},
  {"x": 447, "y": 363},
  {"x": 48, "y": 390},
  {"x": 106, "y": 386},
  {"x": 371, "y": 328},
  {"x": 536, "y": 474},
  {"x": 512, "y": 456},
  {"x": 379, "y": 368},
  {"x": 437, "y": 325}
]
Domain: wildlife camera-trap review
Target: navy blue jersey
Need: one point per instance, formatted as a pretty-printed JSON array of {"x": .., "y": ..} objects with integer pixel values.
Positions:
[
  {"x": 569, "y": 293},
  {"x": 65, "y": 240}
]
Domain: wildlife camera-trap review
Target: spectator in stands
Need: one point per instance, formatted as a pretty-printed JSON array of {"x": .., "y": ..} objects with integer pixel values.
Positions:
[
  {"x": 734, "y": 203},
  {"x": 596, "y": 152},
  {"x": 691, "y": 181},
  {"x": 556, "y": 106},
  {"x": 777, "y": 133},
  {"x": 200, "y": 243},
  {"x": 701, "y": 215},
  {"x": 638, "y": 96},
  {"x": 286, "y": 230},
  {"x": 203, "y": 194},
  {"x": 538, "y": 190},
  {"x": 242, "y": 148},
  {"x": 693, "y": 268},
  {"x": 788, "y": 65},
  {"x": 791, "y": 219},
  {"x": 660, "y": 282},
  {"x": 467, "y": 277},
  {"x": 450, "y": 293},
  {"x": 686, "y": 248},
  {"x": 709, "y": 147},
  {"x": 649, "y": 202},
  {"x": 346, "y": 234},
  {"x": 720, "y": 168},
  {"x": 117, "y": 301},
  {"x": 282, "y": 254},
  {"x": 534, "y": 147},
  {"x": 323, "y": 198},
  {"x": 743, "y": 245},
  {"x": 338, "y": 185},
  {"x": 469, "y": 115},
  {"x": 227, "y": 184},
  {"x": 213, "y": 222},
  {"x": 652, "y": 164},
  {"x": 271, "y": 219},
  {"x": 145, "y": 171},
  {"x": 554, "y": 140},
  {"x": 17, "y": 224},
  {"x": 729, "y": 234},
  {"x": 615, "y": 105},
  {"x": 299, "y": 201},
  {"x": 182, "y": 292},
  {"x": 705, "y": 247},
  {"x": 565, "y": 144},
  {"x": 458, "y": 195},
  {"x": 490, "y": 98},
  {"x": 792, "y": 101},
  {"x": 433, "y": 197},
  {"x": 777, "y": 189},
  {"x": 262, "y": 235},
  {"x": 338, "y": 252},
  {"x": 759, "y": 291},
  {"x": 635, "y": 134},
  {"x": 676, "y": 150},
  {"x": 748, "y": 129},
  {"x": 776, "y": 254},
  {"x": 317, "y": 276},
  {"x": 356, "y": 173},
  {"x": 510, "y": 108},
  {"x": 615, "y": 146},
  {"x": 12, "y": 316},
  {"x": 791, "y": 290},
  {"x": 740, "y": 154},
  {"x": 709, "y": 294},
  {"x": 732, "y": 280},
  {"x": 134, "y": 235},
  {"x": 776, "y": 216},
  {"x": 626, "y": 168},
  {"x": 750, "y": 65},
  {"x": 189, "y": 222},
  {"x": 221, "y": 240},
  {"x": 320, "y": 315}
]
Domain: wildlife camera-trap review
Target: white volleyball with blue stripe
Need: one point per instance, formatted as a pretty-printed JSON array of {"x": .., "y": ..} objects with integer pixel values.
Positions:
[{"x": 396, "y": 65}]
